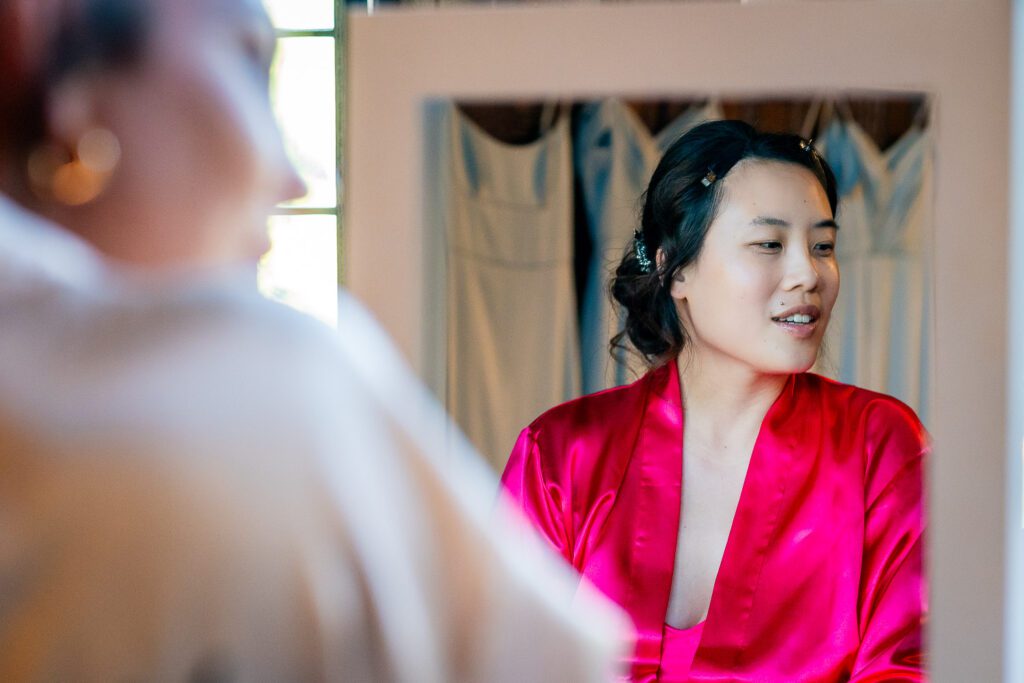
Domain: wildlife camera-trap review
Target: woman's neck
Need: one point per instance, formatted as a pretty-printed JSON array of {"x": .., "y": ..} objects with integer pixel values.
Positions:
[{"x": 722, "y": 398}]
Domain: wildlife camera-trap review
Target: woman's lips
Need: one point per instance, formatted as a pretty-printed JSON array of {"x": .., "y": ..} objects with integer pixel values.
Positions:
[
  {"x": 798, "y": 330},
  {"x": 800, "y": 321},
  {"x": 809, "y": 310}
]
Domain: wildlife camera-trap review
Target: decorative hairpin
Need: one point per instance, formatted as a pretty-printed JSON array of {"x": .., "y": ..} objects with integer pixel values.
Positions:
[
  {"x": 709, "y": 178},
  {"x": 641, "y": 252},
  {"x": 807, "y": 145}
]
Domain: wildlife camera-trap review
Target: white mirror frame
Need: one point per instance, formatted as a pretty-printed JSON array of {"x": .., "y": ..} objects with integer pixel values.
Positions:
[{"x": 957, "y": 50}]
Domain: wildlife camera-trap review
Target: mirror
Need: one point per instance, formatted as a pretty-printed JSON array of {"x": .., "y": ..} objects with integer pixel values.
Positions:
[{"x": 734, "y": 50}]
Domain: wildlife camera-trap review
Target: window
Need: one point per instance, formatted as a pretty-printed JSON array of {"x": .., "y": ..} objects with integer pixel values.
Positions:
[{"x": 302, "y": 267}]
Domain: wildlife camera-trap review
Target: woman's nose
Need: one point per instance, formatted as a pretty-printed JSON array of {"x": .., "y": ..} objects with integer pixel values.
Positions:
[
  {"x": 802, "y": 271},
  {"x": 292, "y": 184},
  {"x": 286, "y": 182}
]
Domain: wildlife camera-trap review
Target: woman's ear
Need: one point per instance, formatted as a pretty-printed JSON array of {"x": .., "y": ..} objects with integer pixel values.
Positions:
[
  {"x": 71, "y": 112},
  {"x": 75, "y": 163},
  {"x": 677, "y": 289}
]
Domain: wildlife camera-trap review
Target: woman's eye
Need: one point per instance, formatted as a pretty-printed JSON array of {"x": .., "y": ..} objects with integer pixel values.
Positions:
[
  {"x": 825, "y": 248},
  {"x": 770, "y": 246}
]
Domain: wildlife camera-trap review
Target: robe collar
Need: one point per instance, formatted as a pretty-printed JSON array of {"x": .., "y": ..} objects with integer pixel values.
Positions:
[{"x": 654, "y": 480}]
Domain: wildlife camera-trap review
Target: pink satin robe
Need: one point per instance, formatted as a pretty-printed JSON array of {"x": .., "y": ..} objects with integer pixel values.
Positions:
[{"x": 822, "y": 576}]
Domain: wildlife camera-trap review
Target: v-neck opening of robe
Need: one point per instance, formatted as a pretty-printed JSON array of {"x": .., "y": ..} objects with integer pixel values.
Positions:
[
  {"x": 657, "y": 464},
  {"x": 678, "y": 647}
]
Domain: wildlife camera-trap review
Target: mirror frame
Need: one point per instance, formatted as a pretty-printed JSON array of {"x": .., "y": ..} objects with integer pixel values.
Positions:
[{"x": 957, "y": 51}]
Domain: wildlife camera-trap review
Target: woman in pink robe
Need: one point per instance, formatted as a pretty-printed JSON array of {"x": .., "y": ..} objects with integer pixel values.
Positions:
[{"x": 778, "y": 537}]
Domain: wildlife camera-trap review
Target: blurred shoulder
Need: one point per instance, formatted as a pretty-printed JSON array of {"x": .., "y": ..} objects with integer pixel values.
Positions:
[{"x": 604, "y": 412}]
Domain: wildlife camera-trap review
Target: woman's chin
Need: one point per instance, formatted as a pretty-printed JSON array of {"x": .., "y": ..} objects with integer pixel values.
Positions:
[
  {"x": 791, "y": 366},
  {"x": 258, "y": 244}
]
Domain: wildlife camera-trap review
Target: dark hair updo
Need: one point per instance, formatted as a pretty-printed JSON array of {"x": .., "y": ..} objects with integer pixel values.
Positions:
[{"x": 678, "y": 208}]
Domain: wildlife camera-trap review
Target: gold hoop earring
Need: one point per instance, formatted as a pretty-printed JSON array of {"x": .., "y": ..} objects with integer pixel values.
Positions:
[{"x": 77, "y": 176}]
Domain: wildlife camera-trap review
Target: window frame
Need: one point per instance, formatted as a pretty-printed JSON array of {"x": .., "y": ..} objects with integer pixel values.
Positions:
[{"x": 338, "y": 33}]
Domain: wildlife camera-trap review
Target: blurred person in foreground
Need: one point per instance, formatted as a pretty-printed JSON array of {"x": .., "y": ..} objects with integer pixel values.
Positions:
[{"x": 199, "y": 484}]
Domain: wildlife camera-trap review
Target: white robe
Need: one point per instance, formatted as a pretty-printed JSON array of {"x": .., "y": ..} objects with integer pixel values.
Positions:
[{"x": 201, "y": 484}]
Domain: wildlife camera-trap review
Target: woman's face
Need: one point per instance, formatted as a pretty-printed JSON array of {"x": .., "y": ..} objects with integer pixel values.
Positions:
[
  {"x": 761, "y": 291},
  {"x": 202, "y": 161}
]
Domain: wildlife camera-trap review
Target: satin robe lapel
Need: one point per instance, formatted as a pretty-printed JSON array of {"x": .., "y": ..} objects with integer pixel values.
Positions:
[
  {"x": 772, "y": 481},
  {"x": 651, "y": 490}
]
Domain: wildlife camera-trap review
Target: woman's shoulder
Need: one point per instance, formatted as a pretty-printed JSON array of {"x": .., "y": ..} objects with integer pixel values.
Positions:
[
  {"x": 858, "y": 402},
  {"x": 603, "y": 411},
  {"x": 590, "y": 436},
  {"x": 584, "y": 443},
  {"x": 884, "y": 429}
]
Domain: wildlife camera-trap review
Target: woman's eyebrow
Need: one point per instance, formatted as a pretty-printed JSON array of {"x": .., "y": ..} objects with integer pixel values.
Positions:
[{"x": 770, "y": 220}]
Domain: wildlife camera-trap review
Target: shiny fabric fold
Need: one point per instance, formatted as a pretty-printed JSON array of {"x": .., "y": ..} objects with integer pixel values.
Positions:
[{"x": 822, "y": 576}]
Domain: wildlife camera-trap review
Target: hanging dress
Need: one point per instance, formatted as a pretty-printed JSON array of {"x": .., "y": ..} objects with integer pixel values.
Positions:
[
  {"x": 513, "y": 347},
  {"x": 863, "y": 189},
  {"x": 880, "y": 335},
  {"x": 615, "y": 157},
  {"x": 901, "y": 289}
]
